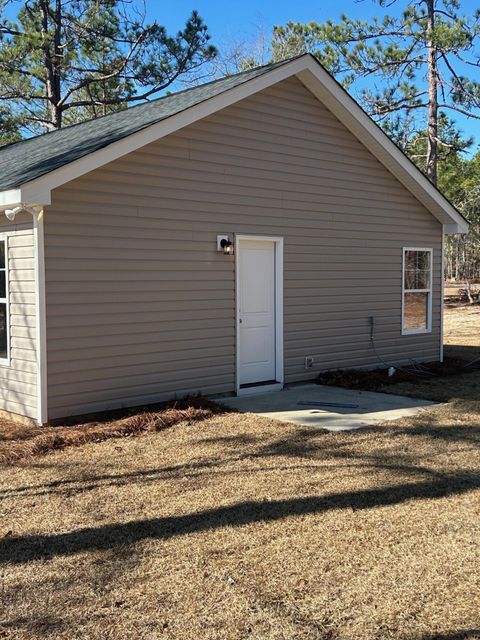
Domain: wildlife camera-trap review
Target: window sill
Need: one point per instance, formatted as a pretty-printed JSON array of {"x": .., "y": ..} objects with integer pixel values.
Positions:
[{"x": 415, "y": 332}]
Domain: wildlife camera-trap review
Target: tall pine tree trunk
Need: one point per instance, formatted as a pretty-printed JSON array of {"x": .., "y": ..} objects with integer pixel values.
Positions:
[
  {"x": 52, "y": 53},
  {"x": 57, "y": 62},
  {"x": 432, "y": 144}
]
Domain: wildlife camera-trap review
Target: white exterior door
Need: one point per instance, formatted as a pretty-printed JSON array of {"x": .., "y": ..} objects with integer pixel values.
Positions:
[{"x": 256, "y": 311}]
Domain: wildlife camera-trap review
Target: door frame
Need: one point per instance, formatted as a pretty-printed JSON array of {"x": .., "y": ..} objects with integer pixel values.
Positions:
[{"x": 279, "y": 372}]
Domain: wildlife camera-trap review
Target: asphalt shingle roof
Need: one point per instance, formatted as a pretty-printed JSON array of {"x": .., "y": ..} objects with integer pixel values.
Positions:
[{"x": 26, "y": 160}]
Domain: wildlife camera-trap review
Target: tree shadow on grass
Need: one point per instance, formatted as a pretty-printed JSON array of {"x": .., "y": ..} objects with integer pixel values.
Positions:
[
  {"x": 306, "y": 443},
  {"x": 465, "y": 634},
  {"x": 319, "y": 447},
  {"x": 49, "y": 604},
  {"x": 21, "y": 549},
  {"x": 43, "y": 625}
]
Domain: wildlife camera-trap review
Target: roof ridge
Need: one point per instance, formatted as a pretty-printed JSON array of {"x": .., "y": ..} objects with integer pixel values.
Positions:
[{"x": 268, "y": 66}]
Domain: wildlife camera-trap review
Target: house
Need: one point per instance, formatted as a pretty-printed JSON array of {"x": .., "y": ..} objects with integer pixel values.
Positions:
[{"x": 235, "y": 236}]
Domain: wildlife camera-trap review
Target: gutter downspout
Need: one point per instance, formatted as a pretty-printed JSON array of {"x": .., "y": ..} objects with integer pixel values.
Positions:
[{"x": 37, "y": 213}]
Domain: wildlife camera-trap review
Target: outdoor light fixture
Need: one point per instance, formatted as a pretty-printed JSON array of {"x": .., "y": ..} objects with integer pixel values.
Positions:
[{"x": 225, "y": 244}]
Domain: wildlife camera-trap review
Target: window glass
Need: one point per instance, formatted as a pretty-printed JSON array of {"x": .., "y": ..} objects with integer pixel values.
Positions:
[
  {"x": 3, "y": 330},
  {"x": 416, "y": 290},
  {"x": 415, "y": 311},
  {"x": 417, "y": 270}
]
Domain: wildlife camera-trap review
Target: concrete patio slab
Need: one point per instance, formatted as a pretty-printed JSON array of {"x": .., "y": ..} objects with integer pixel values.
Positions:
[{"x": 307, "y": 405}]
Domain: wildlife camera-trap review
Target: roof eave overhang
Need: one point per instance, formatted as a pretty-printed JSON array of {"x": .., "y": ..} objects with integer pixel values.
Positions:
[
  {"x": 10, "y": 198},
  {"x": 24, "y": 196},
  {"x": 318, "y": 81}
]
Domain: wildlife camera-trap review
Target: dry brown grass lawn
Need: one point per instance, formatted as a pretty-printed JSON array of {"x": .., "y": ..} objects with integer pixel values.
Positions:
[{"x": 240, "y": 527}]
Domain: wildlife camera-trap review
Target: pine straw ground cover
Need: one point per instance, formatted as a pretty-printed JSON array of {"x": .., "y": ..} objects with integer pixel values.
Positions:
[
  {"x": 239, "y": 527},
  {"x": 19, "y": 441}
]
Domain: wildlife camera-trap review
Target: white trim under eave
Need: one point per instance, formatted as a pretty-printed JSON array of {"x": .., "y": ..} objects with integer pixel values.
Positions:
[
  {"x": 320, "y": 83},
  {"x": 10, "y": 198},
  {"x": 451, "y": 229}
]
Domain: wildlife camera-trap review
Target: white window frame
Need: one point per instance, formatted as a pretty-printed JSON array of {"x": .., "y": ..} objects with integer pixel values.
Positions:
[
  {"x": 409, "y": 332},
  {"x": 5, "y": 362}
]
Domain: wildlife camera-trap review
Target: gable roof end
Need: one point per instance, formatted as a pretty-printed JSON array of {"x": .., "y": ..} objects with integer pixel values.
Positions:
[{"x": 30, "y": 169}]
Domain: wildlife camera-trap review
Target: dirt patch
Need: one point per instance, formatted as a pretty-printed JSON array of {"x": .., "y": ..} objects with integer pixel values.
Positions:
[{"x": 18, "y": 442}]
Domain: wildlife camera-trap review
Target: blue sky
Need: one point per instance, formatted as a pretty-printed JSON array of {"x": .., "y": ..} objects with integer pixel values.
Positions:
[
  {"x": 242, "y": 20},
  {"x": 223, "y": 18}
]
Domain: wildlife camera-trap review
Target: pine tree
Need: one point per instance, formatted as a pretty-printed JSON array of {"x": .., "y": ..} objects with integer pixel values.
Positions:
[
  {"x": 9, "y": 129},
  {"x": 430, "y": 39},
  {"x": 66, "y": 60}
]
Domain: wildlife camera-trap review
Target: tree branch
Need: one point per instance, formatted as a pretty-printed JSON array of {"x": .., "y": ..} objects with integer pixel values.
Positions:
[
  {"x": 405, "y": 107},
  {"x": 9, "y": 31},
  {"x": 460, "y": 81},
  {"x": 464, "y": 112},
  {"x": 114, "y": 74},
  {"x": 448, "y": 15}
]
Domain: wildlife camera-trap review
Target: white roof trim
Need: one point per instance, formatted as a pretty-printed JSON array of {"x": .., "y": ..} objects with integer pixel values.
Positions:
[
  {"x": 9, "y": 198},
  {"x": 319, "y": 82}
]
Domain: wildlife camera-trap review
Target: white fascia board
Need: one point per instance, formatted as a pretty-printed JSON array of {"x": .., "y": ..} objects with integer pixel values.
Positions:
[
  {"x": 352, "y": 116},
  {"x": 320, "y": 83},
  {"x": 25, "y": 196},
  {"x": 10, "y": 198},
  {"x": 450, "y": 229}
]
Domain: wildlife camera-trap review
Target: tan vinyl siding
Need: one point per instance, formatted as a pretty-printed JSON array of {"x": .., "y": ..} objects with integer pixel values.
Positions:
[
  {"x": 140, "y": 306},
  {"x": 18, "y": 380}
]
